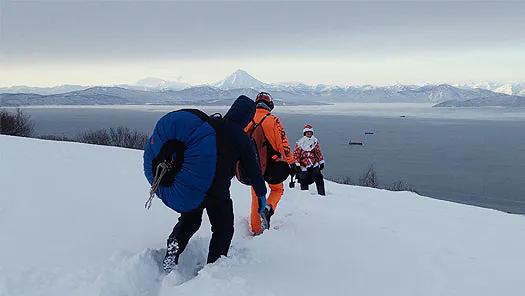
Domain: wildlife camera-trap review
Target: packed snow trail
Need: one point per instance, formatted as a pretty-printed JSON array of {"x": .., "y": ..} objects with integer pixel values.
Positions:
[{"x": 72, "y": 222}]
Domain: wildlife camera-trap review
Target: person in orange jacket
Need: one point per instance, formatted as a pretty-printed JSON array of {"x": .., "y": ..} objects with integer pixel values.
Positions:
[{"x": 274, "y": 133}]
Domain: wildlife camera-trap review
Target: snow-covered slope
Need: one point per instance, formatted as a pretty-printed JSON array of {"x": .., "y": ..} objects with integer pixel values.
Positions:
[
  {"x": 72, "y": 222},
  {"x": 505, "y": 89}
]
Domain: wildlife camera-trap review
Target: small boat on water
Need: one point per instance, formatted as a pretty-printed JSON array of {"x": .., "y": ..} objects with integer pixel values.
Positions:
[
  {"x": 355, "y": 143},
  {"x": 369, "y": 133}
]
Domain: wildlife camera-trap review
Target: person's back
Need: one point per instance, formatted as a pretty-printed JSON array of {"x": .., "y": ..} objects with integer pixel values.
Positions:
[
  {"x": 232, "y": 145},
  {"x": 275, "y": 134},
  {"x": 280, "y": 151}
]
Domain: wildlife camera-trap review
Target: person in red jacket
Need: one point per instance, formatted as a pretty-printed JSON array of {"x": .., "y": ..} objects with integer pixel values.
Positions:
[
  {"x": 280, "y": 150},
  {"x": 309, "y": 160}
]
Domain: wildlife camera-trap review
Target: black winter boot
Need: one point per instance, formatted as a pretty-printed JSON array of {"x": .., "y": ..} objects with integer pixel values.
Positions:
[
  {"x": 172, "y": 256},
  {"x": 268, "y": 213},
  {"x": 320, "y": 189}
]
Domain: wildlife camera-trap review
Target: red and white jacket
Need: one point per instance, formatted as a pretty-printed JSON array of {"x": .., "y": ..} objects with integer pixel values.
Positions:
[{"x": 307, "y": 153}]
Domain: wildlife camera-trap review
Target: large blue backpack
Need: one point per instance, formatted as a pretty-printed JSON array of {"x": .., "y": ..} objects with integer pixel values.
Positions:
[{"x": 180, "y": 159}]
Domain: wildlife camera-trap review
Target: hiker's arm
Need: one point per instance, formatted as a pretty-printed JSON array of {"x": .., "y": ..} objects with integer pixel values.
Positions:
[
  {"x": 297, "y": 155},
  {"x": 318, "y": 153}
]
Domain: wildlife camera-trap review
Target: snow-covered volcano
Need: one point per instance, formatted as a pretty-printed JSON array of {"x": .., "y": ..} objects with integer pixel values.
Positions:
[
  {"x": 239, "y": 79},
  {"x": 72, "y": 222}
]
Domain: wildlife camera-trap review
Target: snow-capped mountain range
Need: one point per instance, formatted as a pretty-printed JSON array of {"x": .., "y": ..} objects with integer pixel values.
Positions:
[
  {"x": 156, "y": 84},
  {"x": 158, "y": 91},
  {"x": 517, "y": 89},
  {"x": 146, "y": 84},
  {"x": 23, "y": 89}
]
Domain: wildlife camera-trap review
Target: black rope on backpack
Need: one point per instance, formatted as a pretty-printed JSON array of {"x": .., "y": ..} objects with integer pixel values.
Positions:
[
  {"x": 161, "y": 170},
  {"x": 165, "y": 166}
]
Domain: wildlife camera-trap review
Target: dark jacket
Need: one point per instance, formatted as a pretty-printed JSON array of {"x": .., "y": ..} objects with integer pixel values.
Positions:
[{"x": 233, "y": 145}]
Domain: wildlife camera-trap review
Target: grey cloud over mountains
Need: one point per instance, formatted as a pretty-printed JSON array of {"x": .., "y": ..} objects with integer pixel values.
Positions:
[{"x": 145, "y": 30}]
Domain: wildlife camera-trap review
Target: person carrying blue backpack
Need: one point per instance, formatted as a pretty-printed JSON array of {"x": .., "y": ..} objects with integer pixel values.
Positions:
[{"x": 190, "y": 160}]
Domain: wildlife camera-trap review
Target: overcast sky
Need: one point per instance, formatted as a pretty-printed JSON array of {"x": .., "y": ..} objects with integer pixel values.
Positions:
[{"x": 50, "y": 42}]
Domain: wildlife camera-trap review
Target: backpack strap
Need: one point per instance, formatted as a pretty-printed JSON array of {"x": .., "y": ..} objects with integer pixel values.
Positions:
[
  {"x": 203, "y": 116},
  {"x": 264, "y": 118},
  {"x": 272, "y": 152},
  {"x": 255, "y": 125}
]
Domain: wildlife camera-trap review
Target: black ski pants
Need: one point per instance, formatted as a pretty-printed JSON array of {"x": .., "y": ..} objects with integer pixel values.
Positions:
[
  {"x": 220, "y": 213},
  {"x": 310, "y": 176}
]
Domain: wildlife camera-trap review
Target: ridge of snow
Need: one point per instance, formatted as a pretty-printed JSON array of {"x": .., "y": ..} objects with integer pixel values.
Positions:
[
  {"x": 367, "y": 87},
  {"x": 511, "y": 88},
  {"x": 505, "y": 89},
  {"x": 152, "y": 83}
]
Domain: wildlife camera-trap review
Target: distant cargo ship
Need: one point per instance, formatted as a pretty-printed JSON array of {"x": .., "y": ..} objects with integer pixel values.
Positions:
[{"x": 355, "y": 143}]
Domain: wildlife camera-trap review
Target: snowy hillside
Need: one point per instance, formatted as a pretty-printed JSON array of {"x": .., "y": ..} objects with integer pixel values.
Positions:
[{"x": 72, "y": 222}]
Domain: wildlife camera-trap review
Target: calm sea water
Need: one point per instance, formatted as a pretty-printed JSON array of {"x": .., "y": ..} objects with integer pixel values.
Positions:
[{"x": 472, "y": 156}]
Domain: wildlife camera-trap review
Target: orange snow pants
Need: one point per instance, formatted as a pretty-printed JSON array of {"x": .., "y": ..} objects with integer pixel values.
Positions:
[{"x": 276, "y": 192}]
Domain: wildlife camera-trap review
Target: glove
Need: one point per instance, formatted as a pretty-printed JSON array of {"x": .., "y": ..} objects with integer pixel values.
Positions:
[
  {"x": 292, "y": 170},
  {"x": 262, "y": 203},
  {"x": 321, "y": 167}
]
